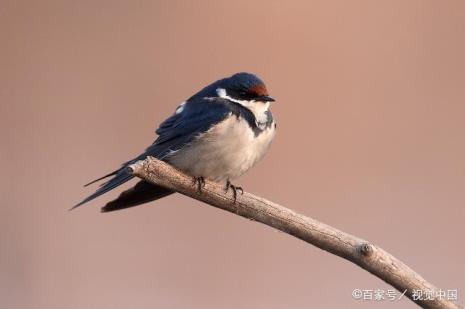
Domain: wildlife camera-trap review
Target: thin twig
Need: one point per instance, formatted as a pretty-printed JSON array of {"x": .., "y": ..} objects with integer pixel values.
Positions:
[{"x": 365, "y": 254}]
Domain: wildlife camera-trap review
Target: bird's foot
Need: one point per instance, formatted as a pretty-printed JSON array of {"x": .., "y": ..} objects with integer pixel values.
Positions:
[
  {"x": 234, "y": 189},
  {"x": 200, "y": 182}
]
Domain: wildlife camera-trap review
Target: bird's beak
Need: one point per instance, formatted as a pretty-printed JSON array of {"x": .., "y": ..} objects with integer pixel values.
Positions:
[{"x": 266, "y": 98}]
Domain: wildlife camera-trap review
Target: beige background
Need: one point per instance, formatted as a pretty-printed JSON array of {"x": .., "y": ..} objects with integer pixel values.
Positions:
[{"x": 371, "y": 140}]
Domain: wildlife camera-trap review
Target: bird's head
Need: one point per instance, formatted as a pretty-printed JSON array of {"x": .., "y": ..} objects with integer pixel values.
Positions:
[{"x": 243, "y": 88}]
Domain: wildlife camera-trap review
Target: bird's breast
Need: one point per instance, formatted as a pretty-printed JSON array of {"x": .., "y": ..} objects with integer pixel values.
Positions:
[{"x": 225, "y": 151}]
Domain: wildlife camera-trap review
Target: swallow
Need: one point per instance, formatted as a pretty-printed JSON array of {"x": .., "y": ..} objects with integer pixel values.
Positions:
[{"x": 218, "y": 134}]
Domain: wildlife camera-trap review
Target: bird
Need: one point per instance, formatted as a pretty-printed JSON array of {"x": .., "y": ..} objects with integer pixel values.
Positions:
[{"x": 219, "y": 133}]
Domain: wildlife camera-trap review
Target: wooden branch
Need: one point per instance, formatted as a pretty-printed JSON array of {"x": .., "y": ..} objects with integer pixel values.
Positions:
[{"x": 366, "y": 255}]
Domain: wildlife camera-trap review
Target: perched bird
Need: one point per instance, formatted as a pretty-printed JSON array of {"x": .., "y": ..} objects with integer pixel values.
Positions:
[{"x": 217, "y": 134}]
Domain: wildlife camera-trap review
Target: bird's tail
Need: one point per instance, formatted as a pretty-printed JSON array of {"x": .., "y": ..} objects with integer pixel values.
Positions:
[
  {"x": 121, "y": 176},
  {"x": 142, "y": 192},
  {"x": 101, "y": 178}
]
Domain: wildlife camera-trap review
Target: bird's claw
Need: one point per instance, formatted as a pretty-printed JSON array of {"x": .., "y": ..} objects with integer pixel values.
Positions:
[
  {"x": 234, "y": 189},
  {"x": 200, "y": 182}
]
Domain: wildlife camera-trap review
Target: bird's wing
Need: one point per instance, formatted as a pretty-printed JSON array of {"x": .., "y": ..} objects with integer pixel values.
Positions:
[{"x": 197, "y": 116}]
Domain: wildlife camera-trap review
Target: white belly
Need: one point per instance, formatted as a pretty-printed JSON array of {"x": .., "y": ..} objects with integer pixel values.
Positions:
[{"x": 226, "y": 151}]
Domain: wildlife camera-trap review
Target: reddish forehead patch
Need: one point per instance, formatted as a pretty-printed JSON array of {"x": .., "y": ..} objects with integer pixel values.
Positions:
[{"x": 258, "y": 90}]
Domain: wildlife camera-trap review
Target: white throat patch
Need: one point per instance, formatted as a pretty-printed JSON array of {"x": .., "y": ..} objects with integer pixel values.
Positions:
[{"x": 258, "y": 108}]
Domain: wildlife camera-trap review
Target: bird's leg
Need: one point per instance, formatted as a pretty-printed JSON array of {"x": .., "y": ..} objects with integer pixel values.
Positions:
[
  {"x": 200, "y": 182},
  {"x": 234, "y": 189}
]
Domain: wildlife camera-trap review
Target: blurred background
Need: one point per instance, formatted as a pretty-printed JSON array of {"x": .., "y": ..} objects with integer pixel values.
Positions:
[{"x": 371, "y": 127}]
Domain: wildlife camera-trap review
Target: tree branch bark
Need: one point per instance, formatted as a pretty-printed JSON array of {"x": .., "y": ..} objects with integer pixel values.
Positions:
[{"x": 365, "y": 254}]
